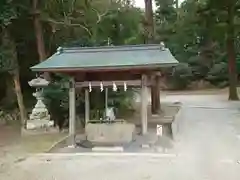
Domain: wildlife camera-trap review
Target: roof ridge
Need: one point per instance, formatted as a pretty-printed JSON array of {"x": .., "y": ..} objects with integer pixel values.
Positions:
[{"x": 111, "y": 48}]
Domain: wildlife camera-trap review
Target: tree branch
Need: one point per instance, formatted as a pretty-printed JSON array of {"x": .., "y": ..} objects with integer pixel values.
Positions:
[
  {"x": 100, "y": 15},
  {"x": 68, "y": 24}
]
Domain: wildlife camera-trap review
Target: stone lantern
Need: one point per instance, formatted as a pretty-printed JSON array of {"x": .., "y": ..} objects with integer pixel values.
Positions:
[{"x": 39, "y": 118}]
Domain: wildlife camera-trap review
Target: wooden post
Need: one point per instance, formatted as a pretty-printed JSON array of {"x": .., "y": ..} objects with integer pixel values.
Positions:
[
  {"x": 155, "y": 92},
  {"x": 158, "y": 87},
  {"x": 72, "y": 113},
  {"x": 155, "y": 95},
  {"x": 144, "y": 104},
  {"x": 106, "y": 100},
  {"x": 87, "y": 107}
]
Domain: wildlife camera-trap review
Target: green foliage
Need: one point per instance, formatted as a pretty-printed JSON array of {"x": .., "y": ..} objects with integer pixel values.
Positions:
[
  {"x": 56, "y": 97},
  {"x": 121, "y": 101},
  {"x": 181, "y": 76},
  {"x": 8, "y": 61},
  {"x": 8, "y": 12},
  {"x": 218, "y": 74},
  {"x": 104, "y": 23},
  {"x": 195, "y": 33}
]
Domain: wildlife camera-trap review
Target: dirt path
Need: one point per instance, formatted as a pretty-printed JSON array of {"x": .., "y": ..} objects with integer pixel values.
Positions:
[
  {"x": 10, "y": 150},
  {"x": 9, "y": 134},
  {"x": 14, "y": 148}
]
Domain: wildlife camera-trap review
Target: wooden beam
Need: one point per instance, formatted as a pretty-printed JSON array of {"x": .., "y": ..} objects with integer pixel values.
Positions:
[
  {"x": 151, "y": 67},
  {"x": 112, "y": 76},
  {"x": 72, "y": 113},
  {"x": 131, "y": 83},
  {"x": 156, "y": 73},
  {"x": 81, "y": 76},
  {"x": 144, "y": 104}
]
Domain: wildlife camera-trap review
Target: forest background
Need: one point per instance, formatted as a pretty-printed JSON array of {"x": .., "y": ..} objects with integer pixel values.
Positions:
[{"x": 203, "y": 35}]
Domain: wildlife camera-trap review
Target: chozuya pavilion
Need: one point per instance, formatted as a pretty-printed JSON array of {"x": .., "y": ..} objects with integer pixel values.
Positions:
[{"x": 108, "y": 66}]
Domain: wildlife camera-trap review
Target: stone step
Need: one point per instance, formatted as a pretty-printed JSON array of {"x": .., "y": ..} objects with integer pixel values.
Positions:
[{"x": 108, "y": 149}]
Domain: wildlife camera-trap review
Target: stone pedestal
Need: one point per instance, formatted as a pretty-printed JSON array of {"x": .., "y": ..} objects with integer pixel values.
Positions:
[
  {"x": 110, "y": 133},
  {"x": 39, "y": 118},
  {"x": 36, "y": 124}
]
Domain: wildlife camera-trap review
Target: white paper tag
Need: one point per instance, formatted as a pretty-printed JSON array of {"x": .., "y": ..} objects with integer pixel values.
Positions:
[{"x": 159, "y": 130}]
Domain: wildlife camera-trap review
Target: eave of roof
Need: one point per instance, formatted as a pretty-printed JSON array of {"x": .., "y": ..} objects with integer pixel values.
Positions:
[{"x": 107, "y": 58}]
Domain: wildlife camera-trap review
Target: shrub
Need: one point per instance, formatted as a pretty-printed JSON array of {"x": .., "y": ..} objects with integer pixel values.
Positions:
[
  {"x": 218, "y": 75},
  {"x": 56, "y": 98},
  {"x": 181, "y": 76}
]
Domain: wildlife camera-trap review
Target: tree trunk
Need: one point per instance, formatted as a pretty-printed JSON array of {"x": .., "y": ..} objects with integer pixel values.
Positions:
[
  {"x": 9, "y": 90},
  {"x": 39, "y": 35},
  {"x": 149, "y": 30},
  {"x": 23, "y": 113},
  {"x": 149, "y": 26},
  {"x": 10, "y": 45},
  {"x": 177, "y": 4},
  {"x": 231, "y": 55},
  {"x": 38, "y": 32}
]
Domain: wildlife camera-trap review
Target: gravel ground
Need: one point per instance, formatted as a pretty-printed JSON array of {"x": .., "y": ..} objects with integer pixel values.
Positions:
[{"x": 206, "y": 148}]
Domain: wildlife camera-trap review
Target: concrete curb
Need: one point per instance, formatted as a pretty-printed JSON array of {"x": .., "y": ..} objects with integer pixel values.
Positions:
[
  {"x": 57, "y": 144},
  {"x": 217, "y": 108},
  {"x": 116, "y": 154}
]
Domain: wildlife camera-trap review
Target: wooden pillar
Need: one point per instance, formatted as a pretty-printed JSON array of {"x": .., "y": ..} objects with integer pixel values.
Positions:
[
  {"x": 106, "y": 100},
  {"x": 155, "y": 94},
  {"x": 144, "y": 104},
  {"x": 72, "y": 113},
  {"x": 87, "y": 106},
  {"x": 158, "y": 87}
]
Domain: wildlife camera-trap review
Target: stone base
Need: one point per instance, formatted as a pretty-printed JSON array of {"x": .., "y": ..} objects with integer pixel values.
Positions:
[
  {"x": 39, "y": 124},
  {"x": 108, "y": 149},
  {"x": 50, "y": 130},
  {"x": 110, "y": 133},
  {"x": 145, "y": 146}
]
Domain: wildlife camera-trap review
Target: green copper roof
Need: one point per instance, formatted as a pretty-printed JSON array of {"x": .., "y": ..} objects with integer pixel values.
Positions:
[{"x": 108, "y": 57}]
